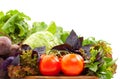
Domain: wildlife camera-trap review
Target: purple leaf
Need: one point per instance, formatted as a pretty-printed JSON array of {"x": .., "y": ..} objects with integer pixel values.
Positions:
[
  {"x": 74, "y": 41},
  {"x": 16, "y": 61},
  {"x": 71, "y": 39},
  {"x": 25, "y": 47},
  {"x": 7, "y": 62},
  {"x": 87, "y": 50},
  {"x": 40, "y": 50},
  {"x": 78, "y": 43},
  {"x": 66, "y": 47}
]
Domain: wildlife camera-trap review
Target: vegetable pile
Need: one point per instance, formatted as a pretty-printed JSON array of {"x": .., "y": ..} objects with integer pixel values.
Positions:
[{"x": 48, "y": 50}]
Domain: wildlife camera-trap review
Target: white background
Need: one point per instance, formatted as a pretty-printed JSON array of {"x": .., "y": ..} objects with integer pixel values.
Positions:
[{"x": 98, "y": 18}]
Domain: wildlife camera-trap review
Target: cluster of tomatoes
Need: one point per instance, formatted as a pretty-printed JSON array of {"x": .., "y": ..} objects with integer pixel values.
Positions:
[{"x": 69, "y": 64}]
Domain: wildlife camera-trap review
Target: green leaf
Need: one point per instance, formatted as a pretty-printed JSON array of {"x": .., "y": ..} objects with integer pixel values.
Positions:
[
  {"x": 1, "y": 14},
  {"x": 14, "y": 25},
  {"x": 38, "y": 26},
  {"x": 88, "y": 41},
  {"x": 107, "y": 59},
  {"x": 93, "y": 53},
  {"x": 12, "y": 12},
  {"x": 111, "y": 62},
  {"x": 59, "y": 31},
  {"x": 52, "y": 27},
  {"x": 105, "y": 75},
  {"x": 22, "y": 15},
  {"x": 11, "y": 29},
  {"x": 22, "y": 31},
  {"x": 64, "y": 36},
  {"x": 7, "y": 25},
  {"x": 93, "y": 66}
]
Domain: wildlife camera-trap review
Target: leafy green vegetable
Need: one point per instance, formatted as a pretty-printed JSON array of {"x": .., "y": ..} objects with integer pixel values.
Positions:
[
  {"x": 26, "y": 60},
  {"x": 52, "y": 28},
  {"x": 42, "y": 38},
  {"x": 1, "y": 14},
  {"x": 7, "y": 26},
  {"x": 14, "y": 25},
  {"x": 101, "y": 62},
  {"x": 38, "y": 26},
  {"x": 26, "y": 67},
  {"x": 64, "y": 36},
  {"x": 96, "y": 53},
  {"x": 89, "y": 41},
  {"x": 57, "y": 31}
]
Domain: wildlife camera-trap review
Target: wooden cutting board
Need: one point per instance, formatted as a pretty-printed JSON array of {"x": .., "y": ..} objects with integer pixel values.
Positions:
[{"x": 61, "y": 77}]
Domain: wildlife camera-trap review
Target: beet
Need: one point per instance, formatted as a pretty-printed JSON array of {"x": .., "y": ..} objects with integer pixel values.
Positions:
[
  {"x": 5, "y": 44},
  {"x": 2, "y": 73},
  {"x": 14, "y": 49},
  {"x": 1, "y": 60}
]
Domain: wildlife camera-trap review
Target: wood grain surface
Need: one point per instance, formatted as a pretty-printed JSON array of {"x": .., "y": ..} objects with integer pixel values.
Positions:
[{"x": 61, "y": 77}]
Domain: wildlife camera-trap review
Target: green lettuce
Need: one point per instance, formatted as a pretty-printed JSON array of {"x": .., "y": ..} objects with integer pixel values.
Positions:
[
  {"x": 57, "y": 31},
  {"x": 13, "y": 24},
  {"x": 42, "y": 38}
]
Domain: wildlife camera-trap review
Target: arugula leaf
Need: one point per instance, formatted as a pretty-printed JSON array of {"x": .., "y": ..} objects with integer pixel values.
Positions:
[{"x": 93, "y": 66}]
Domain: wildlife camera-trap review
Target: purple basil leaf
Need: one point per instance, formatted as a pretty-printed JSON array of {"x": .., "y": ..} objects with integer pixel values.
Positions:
[
  {"x": 18, "y": 53},
  {"x": 99, "y": 58},
  {"x": 16, "y": 61},
  {"x": 40, "y": 50},
  {"x": 3, "y": 71},
  {"x": 63, "y": 47},
  {"x": 34, "y": 53},
  {"x": 4, "y": 56},
  {"x": 87, "y": 50},
  {"x": 74, "y": 41},
  {"x": 71, "y": 39},
  {"x": 7, "y": 62},
  {"x": 25, "y": 47},
  {"x": 78, "y": 43}
]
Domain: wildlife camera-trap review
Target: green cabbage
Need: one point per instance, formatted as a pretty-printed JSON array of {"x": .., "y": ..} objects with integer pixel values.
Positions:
[{"x": 42, "y": 38}]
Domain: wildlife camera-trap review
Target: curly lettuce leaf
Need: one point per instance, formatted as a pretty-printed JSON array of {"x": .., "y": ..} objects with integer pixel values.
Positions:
[{"x": 13, "y": 24}]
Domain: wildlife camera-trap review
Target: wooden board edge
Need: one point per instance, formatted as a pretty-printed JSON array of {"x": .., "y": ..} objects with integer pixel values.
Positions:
[{"x": 61, "y": 77}]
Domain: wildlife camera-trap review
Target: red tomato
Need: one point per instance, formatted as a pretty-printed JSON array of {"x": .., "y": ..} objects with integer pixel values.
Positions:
[
  {"x": 41, "y": 56},
  {"x": 72, "y": 64},
  {"x": 49, "y": 65}
]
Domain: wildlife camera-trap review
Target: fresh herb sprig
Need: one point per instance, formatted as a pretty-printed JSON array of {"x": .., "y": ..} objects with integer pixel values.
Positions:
[{"x": 101, "y": 62}]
